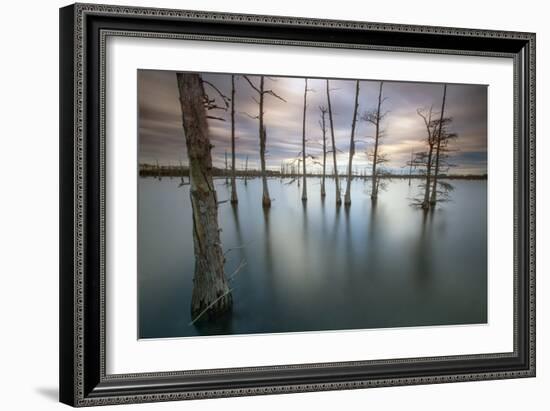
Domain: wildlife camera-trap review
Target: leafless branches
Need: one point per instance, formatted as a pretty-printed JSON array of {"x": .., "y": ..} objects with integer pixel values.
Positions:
[
  {"x": 262, "y": 132},
  {"x": 434, "y": 160},
  {"x": 375, "y": 117},
  {"x": 262, "y": 91}
]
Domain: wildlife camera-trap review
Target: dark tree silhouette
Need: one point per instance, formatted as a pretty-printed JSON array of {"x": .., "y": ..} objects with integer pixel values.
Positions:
[
  {"x": 347, "y": 198},
  {"x": 423, "y": 160},
  {"x": 262, "y": 92},
  {"x": 376, "y": 156},
  {"x": 434, "y": 160},
  {"x": 211, "y": 293},
  {"x": 304, "y": 172},
  {"x": 322, "y": 123},
  {"x": 234, "y": 198},
  {"x": 440, "y": 135},
  {"x": 441, "y": 189},
  {"x": 334, "y": 149}
]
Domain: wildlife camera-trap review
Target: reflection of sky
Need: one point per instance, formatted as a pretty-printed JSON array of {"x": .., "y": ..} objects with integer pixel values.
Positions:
[
  {"x": 371, "y": 265},
  {"x": 161, "y": 135}
]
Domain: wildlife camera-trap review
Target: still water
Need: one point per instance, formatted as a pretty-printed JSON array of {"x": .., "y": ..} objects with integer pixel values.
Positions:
[{"x": 313, "y": 266}]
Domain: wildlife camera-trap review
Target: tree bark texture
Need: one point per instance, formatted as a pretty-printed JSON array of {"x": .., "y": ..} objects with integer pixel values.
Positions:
[{"x": 211, "y": 292}]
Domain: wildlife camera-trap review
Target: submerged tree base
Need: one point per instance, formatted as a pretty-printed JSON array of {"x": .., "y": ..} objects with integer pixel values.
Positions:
[
  {"x": 347, "y": 199},
  {"x": 205, "y": 309}
]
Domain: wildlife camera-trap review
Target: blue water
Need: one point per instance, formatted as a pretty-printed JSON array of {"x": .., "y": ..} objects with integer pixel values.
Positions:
[{"x": 315, "y": 266}]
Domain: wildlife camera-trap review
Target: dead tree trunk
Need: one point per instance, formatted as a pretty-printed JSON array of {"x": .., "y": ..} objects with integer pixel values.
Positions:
[
  {"x": 433, "y": 198},
  {"x": 324, "y": 131},
  {"x": 304, "y": 187},
  {"x": 427, "y": 117},
  {"x": 336, "y": 180},
  {"x": 266, "y": 200},
  {"x": 211, "y": 293},
  {"x": 234, "y": 199},
  {"x": 374, "y": 189},
  {"x": 347, "y": 198},
  {"x": 426, "y": 202}
]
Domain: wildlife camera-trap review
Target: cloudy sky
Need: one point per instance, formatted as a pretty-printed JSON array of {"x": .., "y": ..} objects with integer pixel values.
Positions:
[{"x": 161, "y": 135}]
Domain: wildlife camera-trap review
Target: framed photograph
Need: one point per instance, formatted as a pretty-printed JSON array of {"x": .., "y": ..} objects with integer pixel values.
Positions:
[{"x": 260, "y": 204}]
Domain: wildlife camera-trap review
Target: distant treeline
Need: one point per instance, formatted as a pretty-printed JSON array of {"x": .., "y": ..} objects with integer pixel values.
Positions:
[{"x": 151, "y": 170}]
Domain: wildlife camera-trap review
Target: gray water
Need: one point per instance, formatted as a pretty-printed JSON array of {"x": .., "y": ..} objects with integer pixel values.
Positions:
[{"x": 315, "y": 266}]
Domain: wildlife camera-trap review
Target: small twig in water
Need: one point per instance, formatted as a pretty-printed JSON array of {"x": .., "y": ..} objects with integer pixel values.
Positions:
[
  {"x": 239, "y": 268},
  {"x": 236, "y": 248},
  {"x": 210, "y": 306}
]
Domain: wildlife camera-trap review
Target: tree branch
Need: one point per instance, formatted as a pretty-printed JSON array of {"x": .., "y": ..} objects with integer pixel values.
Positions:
[
  {"x": 272, "y": 93},
  {"x": 252, "y": 84},
  {"x": 225, "y": 99}
]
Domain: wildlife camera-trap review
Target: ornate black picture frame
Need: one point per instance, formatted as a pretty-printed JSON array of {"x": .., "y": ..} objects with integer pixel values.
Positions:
[{"x": 83, "y": 31}]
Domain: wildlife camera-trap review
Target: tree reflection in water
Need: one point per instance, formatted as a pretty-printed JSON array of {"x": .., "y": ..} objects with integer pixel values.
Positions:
[{"x": 315, "y": 266}]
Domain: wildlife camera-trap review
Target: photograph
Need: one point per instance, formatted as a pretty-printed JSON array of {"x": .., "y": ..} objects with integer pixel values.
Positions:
[
  {"x": 274, "y": 204},
  {"x": 265, "y": 201}
]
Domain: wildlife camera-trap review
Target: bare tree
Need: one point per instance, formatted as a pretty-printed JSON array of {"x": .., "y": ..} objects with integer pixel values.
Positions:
[
  {"x": 323, "y": 111},
  {"x": 347, "y": 198},
  {"x": 442, "y": 188},
  {"x": 211, "y": 293},
  {"x": 262, "y": 92},
  {"x": 442, "y": 121},
  {"x": 424, "y": 159},
  {"x": 434, "y": 160},
  {"x": 375, "y": 117},
  {"x": 234, "y": 198},
  {"x": 334, "y": 150},
  {"x": 304, "y": 187}
]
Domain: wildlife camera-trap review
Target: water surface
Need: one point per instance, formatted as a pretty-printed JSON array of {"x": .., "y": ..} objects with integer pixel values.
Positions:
[{"x": 315, "y": 266}]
